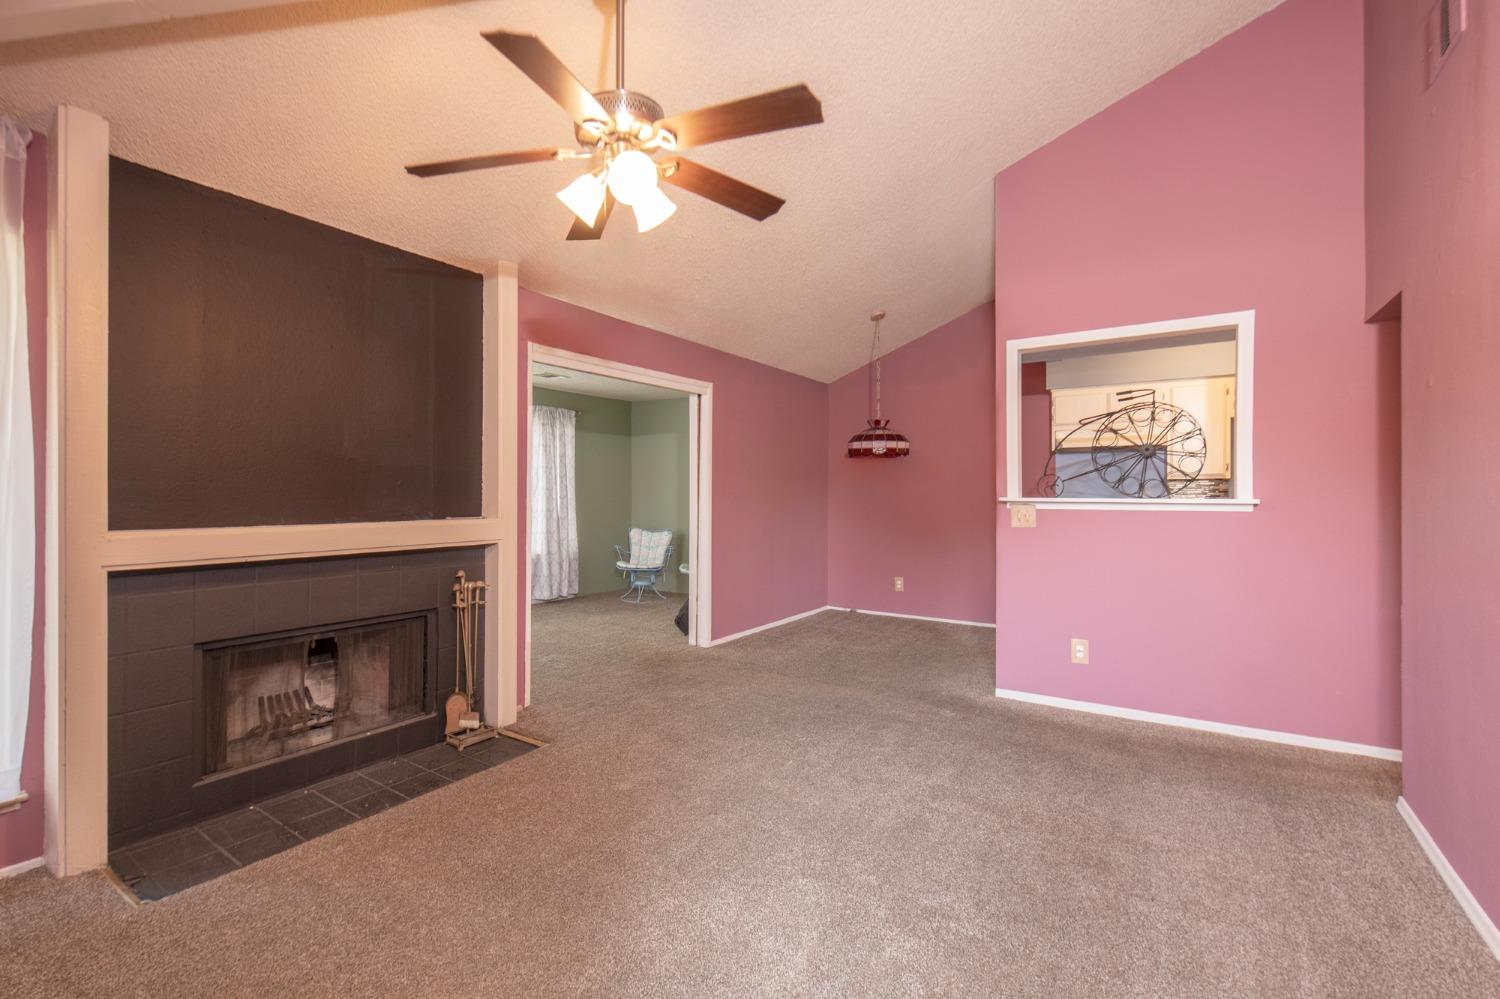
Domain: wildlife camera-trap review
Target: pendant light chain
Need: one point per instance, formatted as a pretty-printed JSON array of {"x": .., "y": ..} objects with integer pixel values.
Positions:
[{"x": 877, "y": 439}]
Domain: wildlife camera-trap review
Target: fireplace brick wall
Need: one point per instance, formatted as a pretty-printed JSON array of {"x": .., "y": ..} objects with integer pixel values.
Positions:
[{"x": 158, "y": 619}]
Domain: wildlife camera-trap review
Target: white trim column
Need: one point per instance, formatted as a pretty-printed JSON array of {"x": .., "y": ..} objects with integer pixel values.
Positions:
[
  {"x": 76, "y": 647},
  {"x": 501, "y": 486}
]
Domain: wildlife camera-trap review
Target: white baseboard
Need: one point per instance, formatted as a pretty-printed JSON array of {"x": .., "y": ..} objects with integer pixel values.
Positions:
[
  {"x": 1488, "y": 932},
  {"x": 767, "y": 627},
  {"x": 22, "y": 867},
  {"x": 915, "y": 617},
  {"x": 1223, "y": 728}
]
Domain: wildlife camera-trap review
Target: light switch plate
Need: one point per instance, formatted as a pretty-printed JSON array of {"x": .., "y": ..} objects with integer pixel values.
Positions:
[
  {"x": 900, "y": 584},
  {"x": 1079, "y": 647},
  {"x": 1023, "y": 515}
]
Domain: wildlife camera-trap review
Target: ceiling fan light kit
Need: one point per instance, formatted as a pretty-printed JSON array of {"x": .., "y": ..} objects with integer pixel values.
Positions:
[
  {"x": 627, "y": 131},
  {"x": 585, "y": 196},
  {"x": 632, "y": 175},
  {"x": 652, "y": 210}
]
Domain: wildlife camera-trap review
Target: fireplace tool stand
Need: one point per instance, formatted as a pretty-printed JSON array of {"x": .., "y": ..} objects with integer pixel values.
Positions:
[{"x": 462, "y": 725}]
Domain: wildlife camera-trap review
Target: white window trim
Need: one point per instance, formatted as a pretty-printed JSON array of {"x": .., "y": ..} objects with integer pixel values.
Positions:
[{"x": 1243, "y": 324}]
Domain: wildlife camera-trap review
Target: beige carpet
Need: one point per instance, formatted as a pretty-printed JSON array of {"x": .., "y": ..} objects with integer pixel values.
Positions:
[{"x": 839, "y": 807}]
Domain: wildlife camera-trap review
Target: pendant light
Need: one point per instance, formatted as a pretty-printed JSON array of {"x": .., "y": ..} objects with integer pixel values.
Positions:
[{"x": 877, "y": 439}]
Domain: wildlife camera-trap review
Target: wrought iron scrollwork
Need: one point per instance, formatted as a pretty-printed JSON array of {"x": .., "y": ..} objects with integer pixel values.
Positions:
[{"x": 1145, "y": 449}]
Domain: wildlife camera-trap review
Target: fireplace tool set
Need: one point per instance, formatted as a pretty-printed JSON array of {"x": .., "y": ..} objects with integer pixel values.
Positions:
[{"x": 463, "y": 726}]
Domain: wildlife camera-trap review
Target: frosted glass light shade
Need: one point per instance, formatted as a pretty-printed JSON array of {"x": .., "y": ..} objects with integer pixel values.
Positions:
[
  {"x": 652, "y": 210},
  {"x": 632, "y": 177},
  {"x": 584, "y": 197}
]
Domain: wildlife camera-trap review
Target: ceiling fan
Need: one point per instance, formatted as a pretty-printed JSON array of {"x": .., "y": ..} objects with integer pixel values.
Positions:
[{"x": 622, "y": 132}]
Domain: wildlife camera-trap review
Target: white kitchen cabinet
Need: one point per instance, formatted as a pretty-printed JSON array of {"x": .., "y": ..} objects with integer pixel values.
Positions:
[
  {"x": 1211, "y": 402},
  {"x": 1069, "y": 406}
]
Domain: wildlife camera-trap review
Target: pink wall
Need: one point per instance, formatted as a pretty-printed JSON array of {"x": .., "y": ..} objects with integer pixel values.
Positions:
[
  {"x": 1233, "y": 182},
  {"x": 1434, "y": 238},
  {"x": 928, "y": 517},
  {"x": 21, "y": 831},
  {"x": 770, "y": 502}
]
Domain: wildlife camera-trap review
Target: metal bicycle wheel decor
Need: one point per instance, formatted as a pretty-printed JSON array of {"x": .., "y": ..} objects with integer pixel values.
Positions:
[{"x": 1144, "y": 450}]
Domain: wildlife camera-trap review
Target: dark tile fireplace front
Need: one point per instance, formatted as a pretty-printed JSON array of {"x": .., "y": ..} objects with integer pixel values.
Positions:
[{"x": 231, "y": 685}]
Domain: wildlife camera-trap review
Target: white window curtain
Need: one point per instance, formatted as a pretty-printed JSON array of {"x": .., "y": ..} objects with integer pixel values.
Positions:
[
  {"x": 553, "y": 510},
  {"x": 17, "y": 490}
]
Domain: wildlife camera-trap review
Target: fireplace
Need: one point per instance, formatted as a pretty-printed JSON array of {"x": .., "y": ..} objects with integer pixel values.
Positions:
[
  {"x": 230, "y": 684},
  {"x": 265, "y": 699}
]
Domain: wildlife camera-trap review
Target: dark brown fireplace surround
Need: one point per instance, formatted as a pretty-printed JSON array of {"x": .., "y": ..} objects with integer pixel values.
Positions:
[{"x": 232, "y": 684}]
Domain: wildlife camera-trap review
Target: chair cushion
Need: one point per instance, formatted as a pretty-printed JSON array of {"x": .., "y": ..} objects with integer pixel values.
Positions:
[{"x": 648, "y": 549}]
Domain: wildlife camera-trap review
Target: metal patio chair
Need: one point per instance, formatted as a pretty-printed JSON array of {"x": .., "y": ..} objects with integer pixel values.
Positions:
[{"x": 643, "y": 562}]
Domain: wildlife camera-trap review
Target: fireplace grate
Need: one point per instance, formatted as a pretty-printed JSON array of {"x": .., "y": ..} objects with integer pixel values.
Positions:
[{"x": 267, "y": 698}]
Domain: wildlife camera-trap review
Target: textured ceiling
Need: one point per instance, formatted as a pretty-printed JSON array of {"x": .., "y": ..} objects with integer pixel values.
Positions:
[
  {"x": 36, "y": 18},
  {"x": 315, "y": 107}
]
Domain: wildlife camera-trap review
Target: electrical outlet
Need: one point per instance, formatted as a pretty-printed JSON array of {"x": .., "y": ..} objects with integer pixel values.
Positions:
[
  {"x": 1079, "y": 649},
  {"x": 900, "y": 584},
  {"x": 1022, "y": 515}
]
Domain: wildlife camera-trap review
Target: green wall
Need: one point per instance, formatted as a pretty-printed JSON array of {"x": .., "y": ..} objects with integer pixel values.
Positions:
[
  {"x": 659, "y": 471},
  {"x": 632, "y": 470},
  {"x": 602, "y": 458}
]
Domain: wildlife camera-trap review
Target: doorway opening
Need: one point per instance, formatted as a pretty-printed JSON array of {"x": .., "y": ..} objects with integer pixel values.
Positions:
[{"x": 618, "y": 487}]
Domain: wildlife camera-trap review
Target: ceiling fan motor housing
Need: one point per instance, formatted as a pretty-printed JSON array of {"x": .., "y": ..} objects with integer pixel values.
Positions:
[{"x": 637, "y": 105}]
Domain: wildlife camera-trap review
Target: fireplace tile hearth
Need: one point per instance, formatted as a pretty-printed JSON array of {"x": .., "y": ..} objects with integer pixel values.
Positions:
[
  {"x": 295, "y": 807},
  {"x": 392, "y": 771},
  {"x": 173, "y": 849},
  {"x": 420, "y": 784},
  {"x": 318, "y": 823},
  {"x": 236, "y": 827},
  {"x": 189, "y": 856},
  {"x": 262, "y": 846},
  {"x": 196, "y": 871},
  {"x": 348, "y": 787},
  {"x": 372, "y": 803}
]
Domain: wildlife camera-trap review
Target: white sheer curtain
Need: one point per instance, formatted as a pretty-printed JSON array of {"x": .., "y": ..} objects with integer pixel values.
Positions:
[
  {"x": 553, "y": 510},
  {"x": 17, "y": 496}
]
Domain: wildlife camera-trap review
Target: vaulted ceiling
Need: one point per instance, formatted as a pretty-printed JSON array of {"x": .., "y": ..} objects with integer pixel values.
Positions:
[{"x": 315, "y": 108}]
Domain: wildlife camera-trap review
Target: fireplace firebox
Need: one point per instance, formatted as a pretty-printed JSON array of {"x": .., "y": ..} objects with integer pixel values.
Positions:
[{"x": 270, "y": 698}]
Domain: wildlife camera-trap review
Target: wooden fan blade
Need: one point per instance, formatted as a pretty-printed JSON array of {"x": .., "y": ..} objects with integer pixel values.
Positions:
[
  {"x": 548, "y": 72},
  {"x": 480, "y": 162},
  {"x": 727, "y": 191},
  {"x": 790, "y": 107},
  {"x": 581, "y": 231}
]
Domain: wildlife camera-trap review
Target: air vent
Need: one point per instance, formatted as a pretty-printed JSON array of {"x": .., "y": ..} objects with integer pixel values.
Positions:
[{"x": 1444, "y": 28}]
